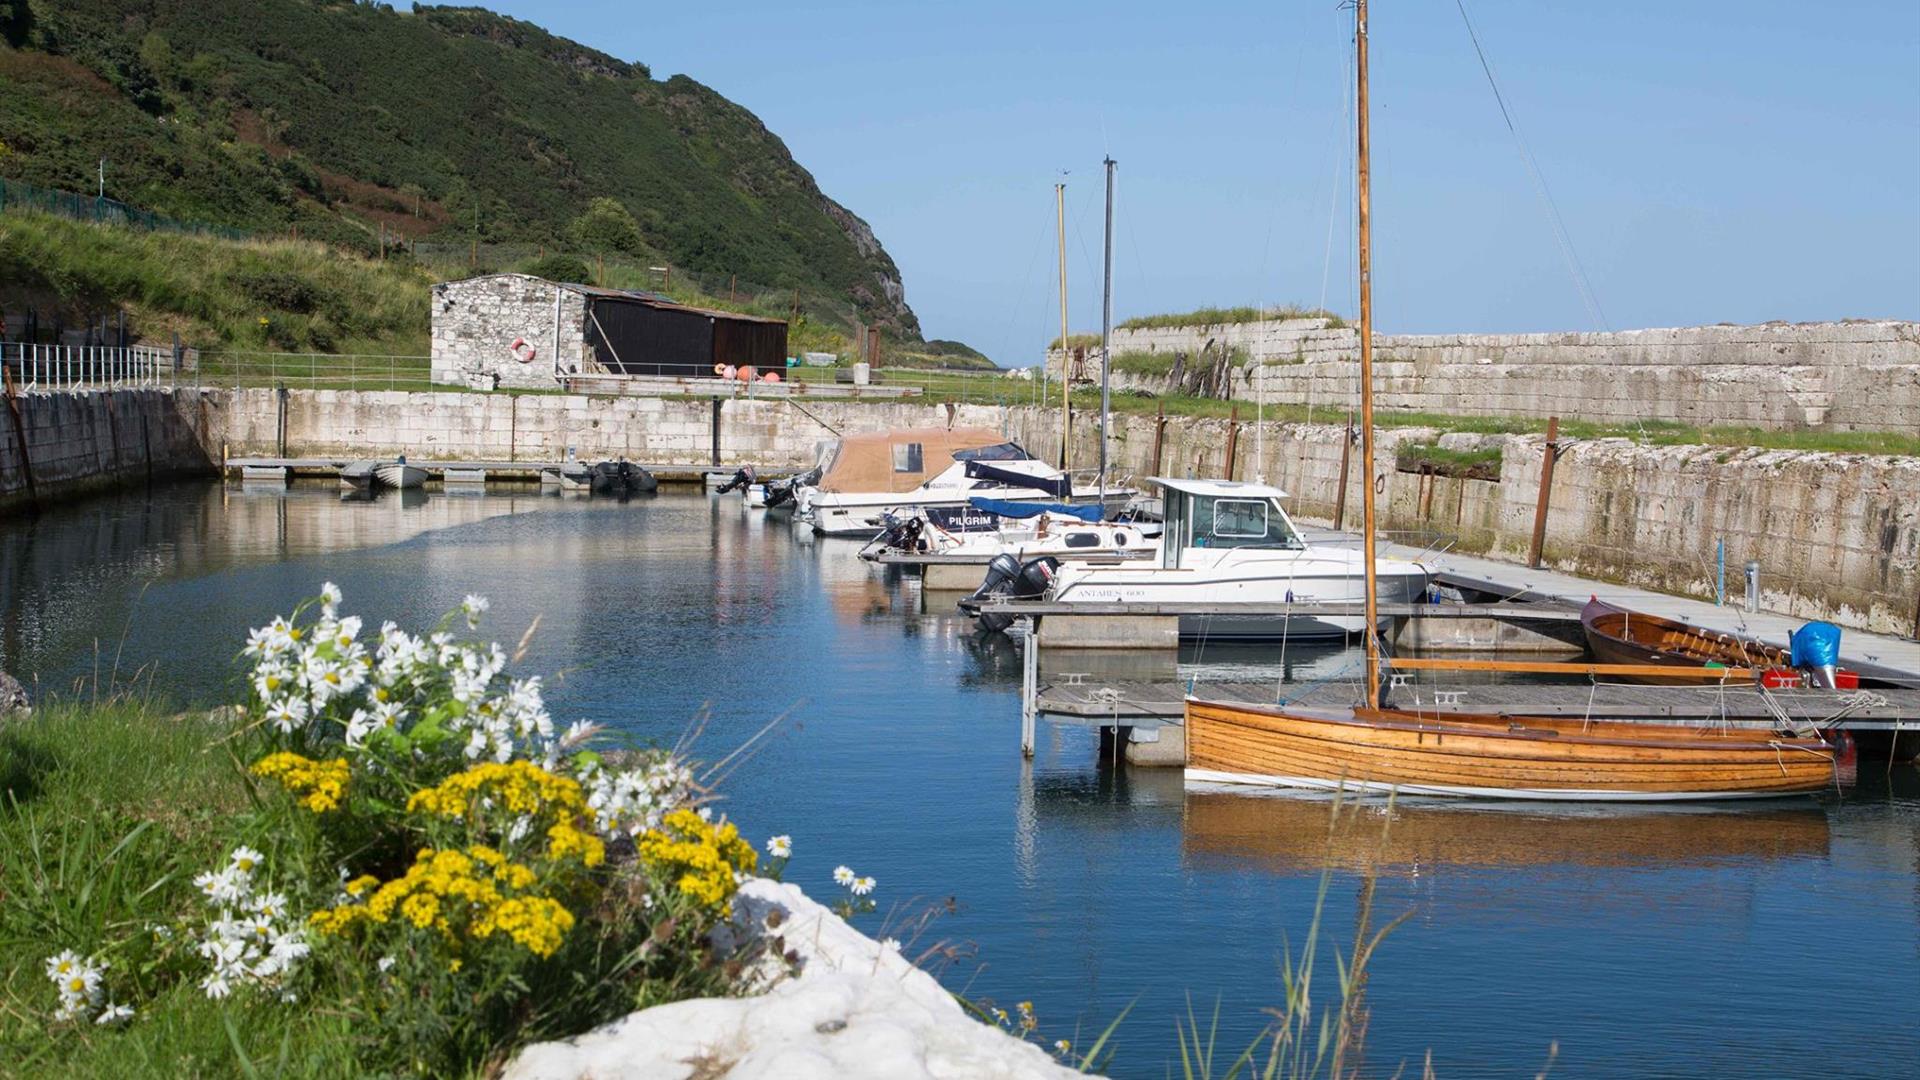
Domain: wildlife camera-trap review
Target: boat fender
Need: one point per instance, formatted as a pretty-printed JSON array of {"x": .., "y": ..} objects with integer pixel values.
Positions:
[{"x": 522, "y": 351}]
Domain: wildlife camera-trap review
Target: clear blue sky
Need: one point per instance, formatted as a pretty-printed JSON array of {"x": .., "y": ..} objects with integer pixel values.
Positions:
[{"x": 1712, "y": 161}]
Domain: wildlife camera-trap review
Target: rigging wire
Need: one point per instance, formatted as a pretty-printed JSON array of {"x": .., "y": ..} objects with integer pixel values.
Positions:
[{"x": 1560, "y": 234}]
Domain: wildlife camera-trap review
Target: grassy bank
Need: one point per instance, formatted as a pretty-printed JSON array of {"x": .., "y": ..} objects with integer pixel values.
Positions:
[{"x": 267, "y": 295}]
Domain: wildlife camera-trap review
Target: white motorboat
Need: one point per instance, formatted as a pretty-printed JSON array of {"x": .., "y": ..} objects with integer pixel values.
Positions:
[
  {"x": 1022, "y": 529},
  {"x": 399, "y": 474},
  {"x": 1227, "y": 544},
  {"x": 930, "y": 469}
]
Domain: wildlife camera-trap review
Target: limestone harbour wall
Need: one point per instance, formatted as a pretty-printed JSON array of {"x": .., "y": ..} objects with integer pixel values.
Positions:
[
  {"x": 80, "y": 442},
  {"x": 1847, "y": 376},
  {"x": 1837, "y": 535}
]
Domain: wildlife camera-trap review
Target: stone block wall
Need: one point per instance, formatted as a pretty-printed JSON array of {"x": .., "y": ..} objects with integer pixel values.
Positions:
[
  {"x": 1850, "y": 376},
  {"x": 477, "y": 321},
  {"x": 76, "y": 442}
]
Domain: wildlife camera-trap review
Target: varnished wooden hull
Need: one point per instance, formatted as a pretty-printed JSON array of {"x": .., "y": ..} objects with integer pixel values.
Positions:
[
  {"x": 1377, "y": 751},
  {"x": 1618, "y": 636}
]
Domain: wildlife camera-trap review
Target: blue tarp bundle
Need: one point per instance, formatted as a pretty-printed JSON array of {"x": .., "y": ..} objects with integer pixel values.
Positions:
[
  {"x": 1816, "y": 645},
  {"x": 1004, "y": 508},
  {"x": 1060, "y": 487}
]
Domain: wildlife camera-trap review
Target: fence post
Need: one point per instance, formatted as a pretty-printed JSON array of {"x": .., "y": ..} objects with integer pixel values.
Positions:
[{"x": 1551, "y": 450}]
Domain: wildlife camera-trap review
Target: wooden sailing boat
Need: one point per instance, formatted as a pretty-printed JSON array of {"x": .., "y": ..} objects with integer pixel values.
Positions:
[{"x": 1379, "y": 749}]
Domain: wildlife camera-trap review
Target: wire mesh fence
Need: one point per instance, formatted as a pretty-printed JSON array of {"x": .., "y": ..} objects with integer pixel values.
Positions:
[{"x": 20, "y": 195}]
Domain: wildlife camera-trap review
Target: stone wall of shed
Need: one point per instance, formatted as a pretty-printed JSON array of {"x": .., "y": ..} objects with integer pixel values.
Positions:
[{"x": 477, "y": 321}]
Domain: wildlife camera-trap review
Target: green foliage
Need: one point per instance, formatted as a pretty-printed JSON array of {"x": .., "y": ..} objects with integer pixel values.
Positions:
[
  {"x": 1216, "y": 316},
  {"x": 343, "y": 119},
  {"x": 1478, "y": 464},
  {"x": 606, "y": 226},
  {"x": 1077, "y": 341},
  {"x": 1142, "y": 362},
  {"x": 557, "y": 267},
  {"x": 283, "y": 294},
  {"x": 106, "y": 813}
]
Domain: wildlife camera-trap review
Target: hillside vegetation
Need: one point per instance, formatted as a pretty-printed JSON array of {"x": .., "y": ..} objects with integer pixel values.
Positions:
[
  {"x": 1217, "y": 316},
  {"x": 345, "y": 122},
  {"x": 284, "y": 295}
]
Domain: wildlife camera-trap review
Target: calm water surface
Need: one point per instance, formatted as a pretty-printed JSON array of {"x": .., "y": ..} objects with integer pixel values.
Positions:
[{"x": 1772, "y": 941}]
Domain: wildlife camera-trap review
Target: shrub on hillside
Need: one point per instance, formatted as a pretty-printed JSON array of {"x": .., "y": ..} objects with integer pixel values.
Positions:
[
  {"x": 557, "y": 267},
  {"x": 606, "y": 225}
]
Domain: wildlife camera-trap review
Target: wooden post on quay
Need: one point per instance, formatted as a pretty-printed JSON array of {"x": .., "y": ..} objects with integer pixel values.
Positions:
[
  {"x": 1233, "y": 440},
  {"x": 1160, "y": 438},
  {"x": 1546, "y": 490},
  {"x": 1346, "y": 455},
  {"x": 733, "y": 281}
]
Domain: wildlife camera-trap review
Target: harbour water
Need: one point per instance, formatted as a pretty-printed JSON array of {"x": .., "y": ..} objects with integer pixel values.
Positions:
[{"x": 1770, "y": 940}]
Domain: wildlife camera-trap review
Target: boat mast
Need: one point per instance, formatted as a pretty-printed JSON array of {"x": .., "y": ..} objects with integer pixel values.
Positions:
[
  {"x": 1366, "y": 360},
  {"x": 1066, "y": 349},
  {"x": 1106, "y": 335}
]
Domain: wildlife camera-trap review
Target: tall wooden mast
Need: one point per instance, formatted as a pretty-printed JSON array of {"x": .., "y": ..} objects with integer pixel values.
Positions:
[
  {"x": 1366, "y": 359},
  {"x": 1066, "y": 349}
]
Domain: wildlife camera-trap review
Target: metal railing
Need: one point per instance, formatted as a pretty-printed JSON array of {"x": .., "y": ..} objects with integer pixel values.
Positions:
[{"x": 56, "y": 368}]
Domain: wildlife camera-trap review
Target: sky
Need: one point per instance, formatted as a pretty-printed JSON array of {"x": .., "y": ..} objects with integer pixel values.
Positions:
[{"x": 1709, "y": 161}]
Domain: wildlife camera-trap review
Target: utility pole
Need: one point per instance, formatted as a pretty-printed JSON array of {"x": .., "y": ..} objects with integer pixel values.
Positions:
[
  {"x": 1106, "y": 336},
  {"x": 103, "y": 178}
]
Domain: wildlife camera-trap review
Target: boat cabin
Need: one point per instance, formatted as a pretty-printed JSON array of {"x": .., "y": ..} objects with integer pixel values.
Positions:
[
  {"x": 1222, "y": 514},
  {"x": 903, "y": 460}
]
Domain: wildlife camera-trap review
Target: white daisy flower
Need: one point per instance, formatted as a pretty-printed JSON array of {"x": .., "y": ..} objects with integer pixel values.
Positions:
[
  {"x": 861, "y": 886},
  {"x": 843, "y": 875},
  {"x": 780, "y": 847},
  {"x": 114, "y": 1014},
  {"x": 330, "y": 597},
  {"x": 245, "y": 859},
  {"x": 474, "y": 607}
]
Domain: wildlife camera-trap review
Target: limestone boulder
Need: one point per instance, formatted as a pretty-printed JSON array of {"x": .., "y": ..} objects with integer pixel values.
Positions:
[
  {"x": 833, "y": 1004},
  {"x": 13, "y": 697}
]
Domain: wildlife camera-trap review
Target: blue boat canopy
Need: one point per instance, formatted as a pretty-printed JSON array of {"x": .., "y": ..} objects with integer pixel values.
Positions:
[{"x": 1005, "y": 508}]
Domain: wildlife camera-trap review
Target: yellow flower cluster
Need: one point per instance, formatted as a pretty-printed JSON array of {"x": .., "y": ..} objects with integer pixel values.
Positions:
[
  {"x": 445, "y": 888},
  {"x": 700, "y": 857},
  {"x": 520, "y": 786},
  {"x": 319, "y": 785}
]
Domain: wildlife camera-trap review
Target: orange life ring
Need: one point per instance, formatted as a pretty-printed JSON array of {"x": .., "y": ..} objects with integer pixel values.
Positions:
[{"x": 522, "y": 351}]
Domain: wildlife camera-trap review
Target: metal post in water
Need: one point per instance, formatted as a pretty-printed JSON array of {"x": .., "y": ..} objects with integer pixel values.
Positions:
[{"x": 1029, "y": 685}]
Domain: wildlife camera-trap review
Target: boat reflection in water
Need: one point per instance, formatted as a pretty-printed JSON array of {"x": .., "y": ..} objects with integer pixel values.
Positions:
[{"x": 1296, "y": 833}]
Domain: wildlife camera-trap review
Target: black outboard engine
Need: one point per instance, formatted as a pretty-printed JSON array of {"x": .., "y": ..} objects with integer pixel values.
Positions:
[
  {"x": 905, "y": 534},
  {"x": 742, "y": 479},
  {"x": 1007, "y": 577}
]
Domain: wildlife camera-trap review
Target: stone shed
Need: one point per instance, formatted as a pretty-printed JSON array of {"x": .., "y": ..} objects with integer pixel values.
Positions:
[{"x": 515, "y": 330}]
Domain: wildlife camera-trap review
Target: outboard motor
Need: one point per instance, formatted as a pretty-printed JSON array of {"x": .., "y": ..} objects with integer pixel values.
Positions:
[
  {"x": 1007, "y": 577},
  {"x": 742, "y": 479},
  {"x": 1815, "y": 649},
  {"x": 904, "y": 534}
]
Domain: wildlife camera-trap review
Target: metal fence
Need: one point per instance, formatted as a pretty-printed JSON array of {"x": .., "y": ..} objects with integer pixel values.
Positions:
[
  {"x": 52, "y": 368},
  {"x": 20, "y": 195}
]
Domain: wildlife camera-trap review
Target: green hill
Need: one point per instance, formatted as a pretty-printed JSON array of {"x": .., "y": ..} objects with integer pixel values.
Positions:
[{"x": 345, "y": 121}]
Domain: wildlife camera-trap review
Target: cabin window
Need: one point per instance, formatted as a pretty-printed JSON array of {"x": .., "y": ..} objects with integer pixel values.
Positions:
[
  {"x": 906, "y": 458},
  {"x": 1239, "y": 519},
  {"x": 1083, "y": 540}
]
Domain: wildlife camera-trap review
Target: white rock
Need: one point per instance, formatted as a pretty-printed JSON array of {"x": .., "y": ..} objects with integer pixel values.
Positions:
[{"x": 855, "y": 1009}]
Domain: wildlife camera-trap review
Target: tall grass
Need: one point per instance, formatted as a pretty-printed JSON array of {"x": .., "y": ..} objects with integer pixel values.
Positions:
[
  {"x": 106, "y": 813},
  {"x": 1219, "y": 316},
  {"x": 286, "y": 295}
]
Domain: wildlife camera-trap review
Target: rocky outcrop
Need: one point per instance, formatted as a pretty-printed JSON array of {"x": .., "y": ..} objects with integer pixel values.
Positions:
[
  {"x": 13, "y": 697},
  {"x": 835, "y": 1005}
]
